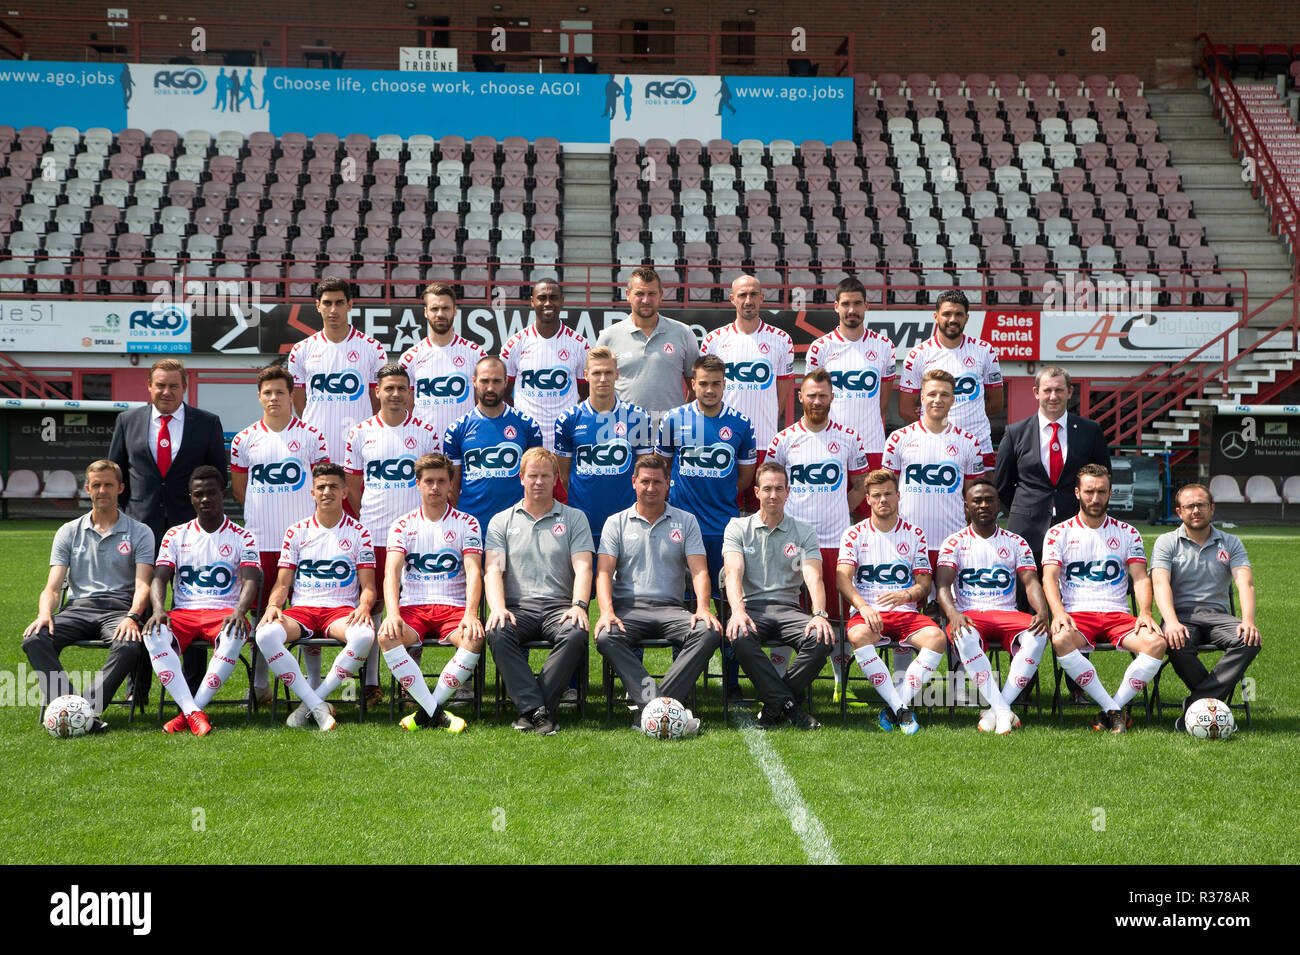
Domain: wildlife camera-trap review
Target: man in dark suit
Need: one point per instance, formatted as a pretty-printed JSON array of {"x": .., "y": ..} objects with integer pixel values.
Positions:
[
  {"x": 157, "y": 447},
  {"x": 1039, "y": 457}
]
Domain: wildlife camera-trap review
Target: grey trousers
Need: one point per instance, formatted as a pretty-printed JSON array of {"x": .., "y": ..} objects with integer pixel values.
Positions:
[
  {"x": 784, "y": 624},
  {"x": 91, "y": 618},
  {"x": 649, "y": 622},
  {"x": 1211, "y": 630},
  {"x": 537, "y": 620}
]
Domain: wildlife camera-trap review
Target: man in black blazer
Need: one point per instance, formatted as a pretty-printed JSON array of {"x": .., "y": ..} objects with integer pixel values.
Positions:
[
  {"x": 157, "y": 457},
  {"x": 1034, "y": 497}
]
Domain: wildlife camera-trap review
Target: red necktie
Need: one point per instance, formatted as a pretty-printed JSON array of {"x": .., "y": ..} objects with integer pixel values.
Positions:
[
  {"x": 164, "y": 445},
  {"x": 1055, "y": 462}
]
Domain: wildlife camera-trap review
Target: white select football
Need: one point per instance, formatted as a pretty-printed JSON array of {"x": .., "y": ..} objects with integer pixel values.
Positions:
[
  {"x": 1210, "y": 719},
  {"x": 664, "y": 718},
  {"x": 69, "y": 716}
]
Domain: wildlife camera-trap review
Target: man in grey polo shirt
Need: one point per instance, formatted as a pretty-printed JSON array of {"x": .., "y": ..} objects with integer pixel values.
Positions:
[
  {"x": 645, "y": 553},
  {"x": 537, "y": 577},
  {"x": 654, "y": 354},
  {"x": 766, "y": 557},
  {"x": 1192, "y": 570},
  {"x": 106, "y": 560}
]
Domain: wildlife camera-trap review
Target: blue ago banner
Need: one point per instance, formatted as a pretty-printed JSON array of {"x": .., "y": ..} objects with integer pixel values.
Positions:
[{"x": 593, "y": 109}]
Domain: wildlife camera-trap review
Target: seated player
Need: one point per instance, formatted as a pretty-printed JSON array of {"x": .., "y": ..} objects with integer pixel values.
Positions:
[
  {"x": 432, "y": 587},
  {"x": 884, "y": 571},
  {"x": 1084, "y": 577},
  {"x": 217, "y": 577},
  {"x": 329, "y": 564},
  {"x": 767, "y": 556},
  {"x": 983, "y": 561},
  {"x": 538, "y": 582}
]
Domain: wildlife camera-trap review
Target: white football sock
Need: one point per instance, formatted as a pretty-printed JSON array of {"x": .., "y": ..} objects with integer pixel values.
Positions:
[
  {"x": 224, "y": 657},
  {"x": 780, "y": 657},
  {"x": 311, "y": 658},
  {"x": 1080, "y": 669},
  {"x": 918, "y": 674},
  {"x": 1024, "y": 665},
  {"x": 1139, "y": 673},
  {"x": 902, "y": 659},
  {"x": 270, "y": 640},
  {"x": 459, "y": 670},
  {"x": 260, "y": 680},
  {"x": 358, "y": 639},
  {"x": 165, "y": 662},
  {"x": 874, "y": 669},
  {"x": 976, "y": 663},
  {"x": 407, "y": 673}
]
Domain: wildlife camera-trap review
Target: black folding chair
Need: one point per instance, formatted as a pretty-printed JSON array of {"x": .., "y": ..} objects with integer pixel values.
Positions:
[
  {"x": 322, "y": 642},
  {"x": 584, "y": 676}
]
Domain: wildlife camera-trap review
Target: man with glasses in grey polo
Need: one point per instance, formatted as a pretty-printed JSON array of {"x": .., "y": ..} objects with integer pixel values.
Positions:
[
  {"x": 1192, "y": 571},
  {"x": 767, "y": 556}
]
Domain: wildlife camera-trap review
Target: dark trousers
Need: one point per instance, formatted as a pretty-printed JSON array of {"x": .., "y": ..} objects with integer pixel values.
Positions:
[
  {"x": 92, "y": 618},
  {"x": 784, "y": 624},
  {"x": 537, "y": 620},
  {"x": 650, "y": 622},
  {"x": 1211, "y": 630}
]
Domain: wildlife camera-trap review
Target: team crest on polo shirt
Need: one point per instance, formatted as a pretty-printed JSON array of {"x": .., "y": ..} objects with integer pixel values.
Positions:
[
  {"x": 1003, "y": 553},
  {"x": 668, "y": 349},
  {"x": 1112, "y": 543},
  {"x": 833, "y": 447},
  {"x": 676, "y": 537},
  {"x": 763, "y": 349},
  {"x": 725, "y": 433},
  {"x": 1223, "y": 556},
  {"x": 902, "y": 547},
  {"x": 354, "y": 356},
  {"x": 620, "y": 429},
  {"x": 293, "y": 445},
  {"x": 791, "y": 550},
  {"x": 510, "y": 432},
  {"x": 564, "y": 354},
  {"x": 458, "y": 361},
  {"x": 871, "y": 355},
  {"x": 225, "y": 550},
  {"x": 558, "y": 529},
  {"x": 952, "y": 449},
  {"x": 968, "y": 361},
  {"x": 345, "y": 544},
  {"x": 124, "y": 548},
  {"x": 410, "y": 443},
  {"x": 449, "y": 536}
]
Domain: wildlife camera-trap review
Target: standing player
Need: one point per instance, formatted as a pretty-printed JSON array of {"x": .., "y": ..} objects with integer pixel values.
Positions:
[
  {"x": 487, "y": 445},
  {"x": 983, "y": 562},
  {"x": 329, "y": 564},
  {"x": 432, "y": 589},
  {"x": 217, "y": 577},
  {"x": 884, "y": 571},
  {"x": 597, "y": 443},
  {"x": 441, "y": 366},
  {"x": 1086, "y": 582},
  {"x": 932, "y": 458},
  {"x": 971, "y": 361},
  {"x": 760, "y": 364},
  {"x": 863, "y": 370},
  {"x": 826, "y": 464},
  {"x": 270, "y": 468},
  {"x": 334, "y": 369},
  {"x": 546, "y": 362},
  {"x": 380, "y": 466}
]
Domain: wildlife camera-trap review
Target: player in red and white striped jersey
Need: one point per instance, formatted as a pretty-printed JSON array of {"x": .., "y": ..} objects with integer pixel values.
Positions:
[
  {"x": 826, "y": 465},
  {"x": 334, "y": 369},
  {"x": 328, "y": 562},
  {"x": 932, "y": 458},
  {"x": 270, "y": 475},
  {"x": 546, "y": 364},
  {"x": 441, "y": 366},
  {"x": 432, "y": 589},
  {"x": 975, "y": 580},
  {"x": 380, "y": 463},
  {"x": 1087, "y": 563},
  {"x": 211, "y": 563},
  {"x": 971, "y": 361},
  {"x": 759, "y": 359},
  {"x": 884, "y": 572},
  {"x": 863, "y": 370}
]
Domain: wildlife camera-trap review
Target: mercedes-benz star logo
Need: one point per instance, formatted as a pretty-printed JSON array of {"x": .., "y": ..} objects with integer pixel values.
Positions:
[{"x": 1233, "y": 445}]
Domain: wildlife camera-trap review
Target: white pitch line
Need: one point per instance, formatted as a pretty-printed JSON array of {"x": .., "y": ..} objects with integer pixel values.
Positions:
[{"x": 812, "y": 834}]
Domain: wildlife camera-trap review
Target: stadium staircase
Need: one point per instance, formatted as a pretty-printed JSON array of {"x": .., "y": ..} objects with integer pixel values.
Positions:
[
  {"x": 1248, "y": 222},
  {"x": 587, "y": 218}
]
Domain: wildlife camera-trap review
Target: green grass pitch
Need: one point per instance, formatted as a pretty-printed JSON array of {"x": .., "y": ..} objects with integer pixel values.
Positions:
[{"x": 601, "y": 793}]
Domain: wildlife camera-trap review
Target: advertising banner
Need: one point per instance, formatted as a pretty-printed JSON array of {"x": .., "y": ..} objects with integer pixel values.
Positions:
[
  {"x": 1256, "y": 440},
  {"x": 574, "y": 108},
  {"x": 57, "y": 440},
  {"x": 1134, "y": 336},
  {"x": 63, "y": 326}
]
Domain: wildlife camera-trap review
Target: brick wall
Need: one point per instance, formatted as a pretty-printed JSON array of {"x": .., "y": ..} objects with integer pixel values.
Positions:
[{"x": 1154, "y": 41}]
